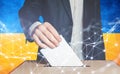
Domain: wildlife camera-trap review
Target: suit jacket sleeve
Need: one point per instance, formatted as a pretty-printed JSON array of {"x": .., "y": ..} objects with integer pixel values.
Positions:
[{"x": 28, "y": 14}]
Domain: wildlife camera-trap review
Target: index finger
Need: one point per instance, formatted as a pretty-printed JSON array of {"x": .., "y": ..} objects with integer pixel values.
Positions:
[{"x": 53, "y": 31}]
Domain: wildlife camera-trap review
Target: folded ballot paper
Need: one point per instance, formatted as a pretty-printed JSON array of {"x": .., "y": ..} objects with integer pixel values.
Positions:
[{"x": 63, "y": 55}]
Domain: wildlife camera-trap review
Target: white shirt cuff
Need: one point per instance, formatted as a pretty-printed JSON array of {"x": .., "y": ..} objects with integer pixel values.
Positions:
[{"x": 32, "y": 27}]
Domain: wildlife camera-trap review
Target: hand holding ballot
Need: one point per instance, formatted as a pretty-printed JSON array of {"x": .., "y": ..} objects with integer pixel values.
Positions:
[
  {"x": 45, "y": 35},
  {"x": 62, "y": 55}
]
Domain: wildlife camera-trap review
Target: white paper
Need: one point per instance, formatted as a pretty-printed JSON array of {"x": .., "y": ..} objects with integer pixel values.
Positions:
[{"x": 63, "y": 55}]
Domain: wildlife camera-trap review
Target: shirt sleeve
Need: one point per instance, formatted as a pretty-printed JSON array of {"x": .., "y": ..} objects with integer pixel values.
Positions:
[{"x": 33, "y": 27}]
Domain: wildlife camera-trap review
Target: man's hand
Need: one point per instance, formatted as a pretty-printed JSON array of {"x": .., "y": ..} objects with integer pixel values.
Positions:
[{"x": 45, "y": 35}]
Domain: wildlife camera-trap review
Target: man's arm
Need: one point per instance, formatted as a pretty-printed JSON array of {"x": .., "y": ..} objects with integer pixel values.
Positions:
[{"x": 45, "y": 35}]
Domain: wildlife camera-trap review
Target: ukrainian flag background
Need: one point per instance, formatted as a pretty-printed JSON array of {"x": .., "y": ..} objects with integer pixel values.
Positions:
[
  {"x": 110, "y": 18},
  {"x": 14, "y": 50}
]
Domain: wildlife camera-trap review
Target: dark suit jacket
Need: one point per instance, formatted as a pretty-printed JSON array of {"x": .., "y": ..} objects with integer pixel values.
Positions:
[{"x": 58, "y": 13}]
